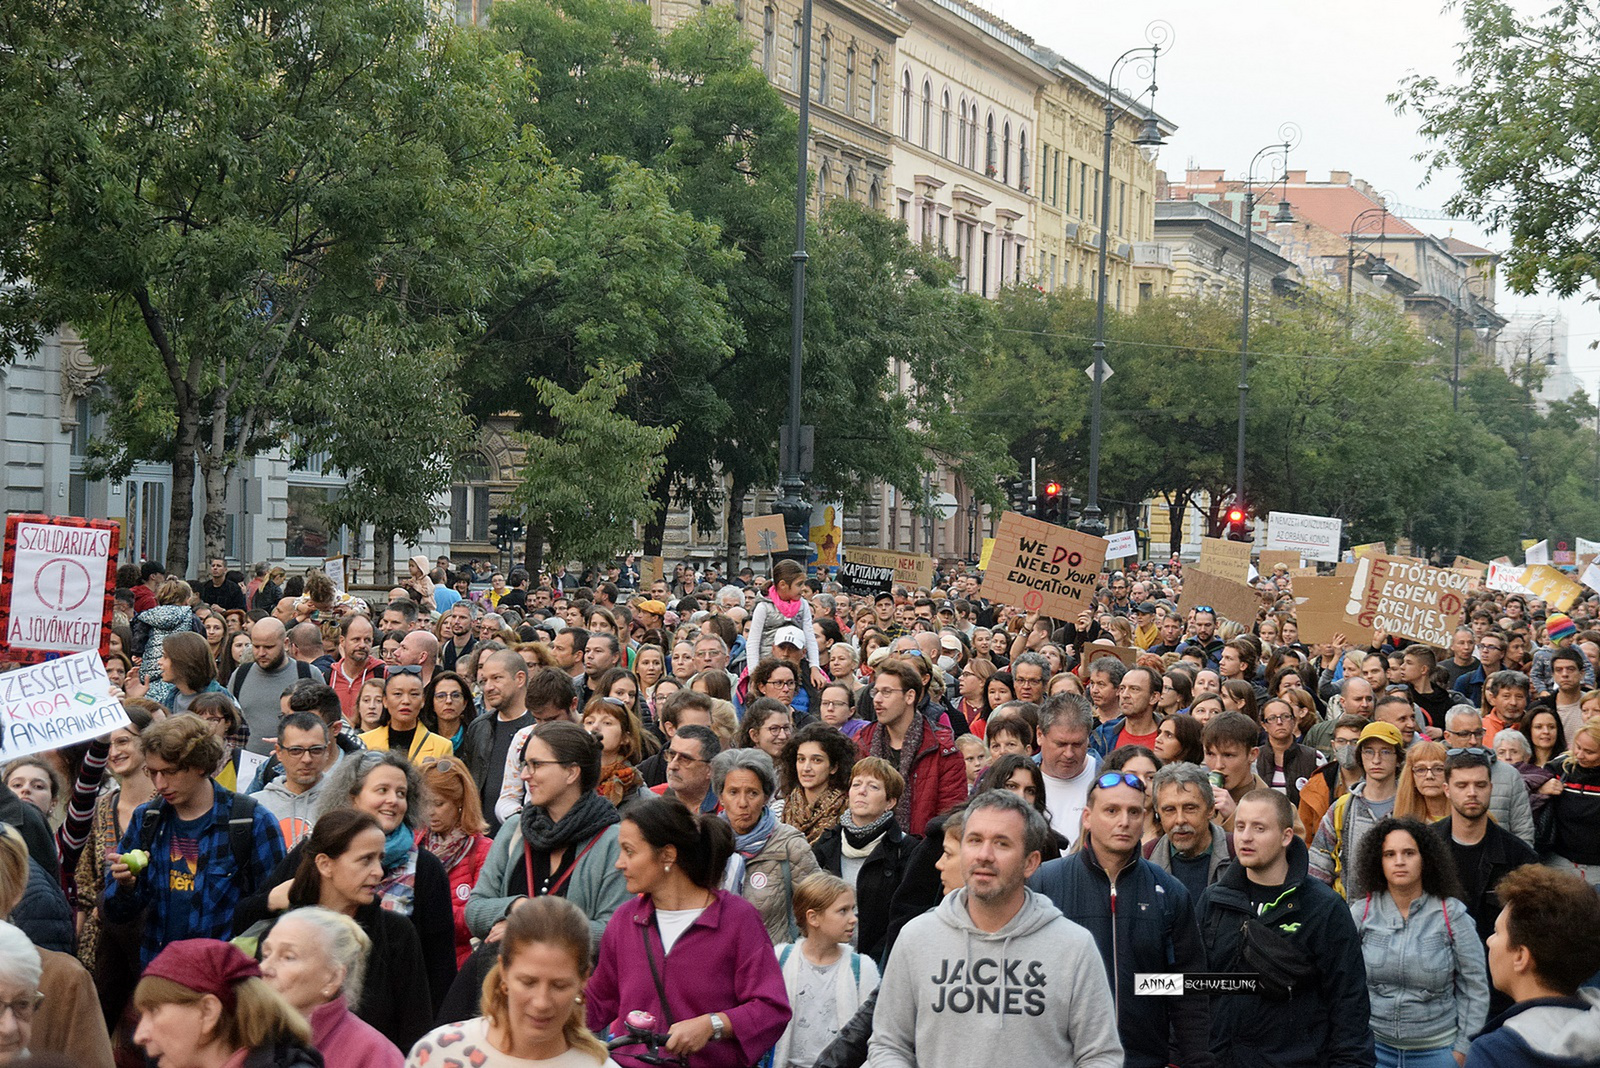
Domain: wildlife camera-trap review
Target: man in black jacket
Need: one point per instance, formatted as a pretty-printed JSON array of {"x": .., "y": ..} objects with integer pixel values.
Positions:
[
  {"x": 1141, "y": 919},
  {"x": 1323, "y": 1023}
]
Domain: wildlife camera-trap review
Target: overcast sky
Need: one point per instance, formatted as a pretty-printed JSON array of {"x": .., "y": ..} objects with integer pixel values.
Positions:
[{"x": 1237, "y": 71}]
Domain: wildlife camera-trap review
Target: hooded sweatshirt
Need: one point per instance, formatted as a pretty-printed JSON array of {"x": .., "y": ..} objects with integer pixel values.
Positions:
[
  {"x": 297, "y": 813},
  {"x": 954, "y": 994},
  {"x": 1542, "y": 1033}
]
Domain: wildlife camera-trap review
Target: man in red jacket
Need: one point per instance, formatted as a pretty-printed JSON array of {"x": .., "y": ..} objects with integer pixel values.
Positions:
[{"x": 923, "y": 753}]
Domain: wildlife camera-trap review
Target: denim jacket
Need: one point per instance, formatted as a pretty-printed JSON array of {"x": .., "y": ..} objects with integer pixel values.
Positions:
[{"x": 1428, "y": 982}]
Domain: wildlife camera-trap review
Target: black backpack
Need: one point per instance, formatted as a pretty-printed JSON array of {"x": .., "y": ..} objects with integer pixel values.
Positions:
[
  {"x": 302, "y": 669},
  {"x": 241, "y": 834}
]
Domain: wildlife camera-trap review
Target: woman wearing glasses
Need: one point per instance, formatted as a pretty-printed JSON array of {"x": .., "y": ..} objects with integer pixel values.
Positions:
[
  {"x": 401, "y": 729},
  {"x": 766, "y": 726},
  {"x": 1422, "y": 790},
  {"x": 779, "y": 680},
  {"x": 973, "y": 684},
  {"x": 1283, "y": 763},
  {"x": 447, "y": 706}
]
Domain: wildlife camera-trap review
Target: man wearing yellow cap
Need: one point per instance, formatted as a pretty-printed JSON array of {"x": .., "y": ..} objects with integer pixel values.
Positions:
[{"x": 1380, "y": 749}]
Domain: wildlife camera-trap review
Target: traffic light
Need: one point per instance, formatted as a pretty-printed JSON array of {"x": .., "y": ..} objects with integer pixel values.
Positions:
[
  {"x": 1019, "y": 495},
  {"x": 1052, "y": 505},
  {"x": 1237, "y": 525},
  {"x": 507, "y": 530}
]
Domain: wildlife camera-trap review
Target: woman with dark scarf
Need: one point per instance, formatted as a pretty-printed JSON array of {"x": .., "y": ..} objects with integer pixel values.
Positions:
[
  {"x": 869, "y": 850},
  {"x": 770, "y": 858},
  {"x": 562, "y": 844},
  {"x": 387, "y": 787},
  {"x": 815, "y": 767}
]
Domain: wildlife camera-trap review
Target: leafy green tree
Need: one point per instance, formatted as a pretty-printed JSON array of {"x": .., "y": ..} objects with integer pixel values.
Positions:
[
  {"x": 1517, "y": 127},
  {"x": 202, "y": 188}
]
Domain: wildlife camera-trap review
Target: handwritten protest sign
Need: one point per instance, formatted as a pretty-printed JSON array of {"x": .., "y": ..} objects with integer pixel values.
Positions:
[
  {"x": 1227, "y": 598},
  {"x": 1319, "y": 605},
  {"x": 1043, "y": 568},
  {"x": 1314, "y": 536},
  {"x": 1122, "y": 544},
  {"x": 334, "y": 568},
  {"x": 764, "y": 535},
  {"x": 1507, "y": 578},
  {"x": 1394, "y": 595},
  {"x": 1591, "y": 576},
  {"x": 1099, "y": 648},
  {"x": 1271, "y": 558},
  {"x": 1467, "y": 563},
  {"x": 57, "y": 574},
  {"x": 59, "y": 702},
  {"x": 862, "y": 577},
  {"x": 907, "y": 569},
  {"x": 1225, "y": 559},
  {"x": 1551, "y": 586}
]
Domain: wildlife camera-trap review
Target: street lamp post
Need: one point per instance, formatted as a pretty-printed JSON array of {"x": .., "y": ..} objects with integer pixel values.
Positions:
[
  {"x": 1380, "y": 270},
  {"x": 1288, "y": 137},
  {"x": 791, "y": 504},
  {"x": 1159, "y": 34},
  {"x": 1480, "y": 326}
]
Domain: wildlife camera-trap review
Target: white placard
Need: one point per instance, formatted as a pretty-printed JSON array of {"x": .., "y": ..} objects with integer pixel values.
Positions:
[
  {"x": 1312, "y": 536},
  {"x": 59, "y": 702},
  {"x": 1591, "y": 576},
  {"x": 333, "y": 567},
  {"x": 1588, "y": 548},
  {"x": 1505, "y": 578},
  {"x": 1537, "y": 553},
  {"x": 1120, "y": 545},
  {"x": 249, "y": 764},
  {"x": 58, "y": 589}
]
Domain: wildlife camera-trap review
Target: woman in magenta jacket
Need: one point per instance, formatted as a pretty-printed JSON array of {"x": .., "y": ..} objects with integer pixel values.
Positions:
[{"x": 695, "y": 957}]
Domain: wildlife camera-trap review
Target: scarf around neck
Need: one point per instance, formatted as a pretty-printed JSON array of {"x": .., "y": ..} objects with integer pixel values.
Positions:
[
  {"x": 589, "y": 815},
  {"x": 858, "y": 841},
  {"x": 754, "y": 840},
  {"x": 786, "y": 609},
  {"x": 398, "y": 890},
  {"x": 813, "y": 820},
  {"x": 451, "y": 847},
  {"x": 908, "y": 756},
  {"x": 617, "y": 781}
]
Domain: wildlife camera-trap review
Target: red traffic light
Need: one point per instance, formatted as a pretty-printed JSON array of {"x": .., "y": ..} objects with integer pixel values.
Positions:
[
  {"x": 1052, "y": 489},
  {"x": 1236, "y": 515}
]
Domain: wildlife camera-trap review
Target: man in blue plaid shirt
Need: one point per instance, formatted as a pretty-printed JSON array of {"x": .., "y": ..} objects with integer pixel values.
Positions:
[{"x": 207, "y": 847}]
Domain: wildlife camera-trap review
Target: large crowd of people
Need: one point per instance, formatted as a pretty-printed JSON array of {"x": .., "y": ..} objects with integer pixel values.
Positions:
[{"x": 500, "y": 819}]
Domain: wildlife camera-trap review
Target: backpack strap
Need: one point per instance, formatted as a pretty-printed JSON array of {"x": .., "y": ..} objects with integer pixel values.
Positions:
[
  {"x": 241, "y": 835},
  {"x": 302, "y": 669},
  {"x": 239, "y": 677},
  {"x": 1448, "y": 930}
]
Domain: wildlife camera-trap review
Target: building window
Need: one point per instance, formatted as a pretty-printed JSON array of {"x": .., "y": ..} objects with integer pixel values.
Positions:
[
  {"x": 825, "y": 58},
  {"x": 1083, "y": 187},
  {"x": 1069, "y": 184},
  {"x": 905, "y": 105},
  {"x": 1005, "y": 153},
  {"x": 972, "y": 137},
  {"x": 961, "y": 136},
  {"x": 1055, "y": 179},
  {"x": 794, "y": 58},
  {"x": 769, "y": 40},
  {"x": 850, "y": 81},
  {"x": 1022, "y": 160},
  {"x": 469, "y": 499},
  {"x": 1145, "y": 290},
  {"x": 850, "y": 184},
  {"x": 872, "y": 93},
  {"x": 944, "y": 125},
  {"x": 823, "y": 177},
  {"x": 1122, "y": 201},
  {"x": 872, "y": 195},
  {"x": 989, "y": 162},
  {"x": 983, "y": 264},
  {"x": 306, "y": 532},
  {"x": 927, "y": 114}
]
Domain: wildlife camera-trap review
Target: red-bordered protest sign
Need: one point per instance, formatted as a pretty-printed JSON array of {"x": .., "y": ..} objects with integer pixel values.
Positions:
[{"x": 56, "y": 578}]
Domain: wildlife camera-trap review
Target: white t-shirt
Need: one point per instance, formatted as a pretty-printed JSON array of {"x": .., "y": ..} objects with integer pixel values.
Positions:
[
  {"x": 673, "y": 922},
  {"x": 468, "y": 1043},
  {"x": 1067, "y": 798}
]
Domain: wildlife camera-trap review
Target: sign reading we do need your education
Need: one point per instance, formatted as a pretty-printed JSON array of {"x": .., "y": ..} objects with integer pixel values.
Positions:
[{"x": 1042, "y": 567}]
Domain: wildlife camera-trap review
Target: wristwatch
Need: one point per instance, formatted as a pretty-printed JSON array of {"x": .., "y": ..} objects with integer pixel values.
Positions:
[{"x": 716, "y": 1027}]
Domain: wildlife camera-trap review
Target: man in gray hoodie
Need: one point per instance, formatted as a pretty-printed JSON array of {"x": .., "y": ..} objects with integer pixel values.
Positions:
[
  {"x": 303, "y": 748},
  {"x": 996, "y": 966}
]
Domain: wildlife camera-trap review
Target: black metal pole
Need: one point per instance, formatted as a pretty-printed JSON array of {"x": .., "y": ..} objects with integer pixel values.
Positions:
[
  {"x": 1244, "y": 340},
  {"x": 1091, "y": 521},
  {"x": 792, "y": 504}
]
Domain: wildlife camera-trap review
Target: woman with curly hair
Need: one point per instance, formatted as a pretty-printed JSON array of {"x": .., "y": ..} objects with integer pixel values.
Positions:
[
  {"x": 815, "y": 768},
  {"x": 1426, "y": 974}
]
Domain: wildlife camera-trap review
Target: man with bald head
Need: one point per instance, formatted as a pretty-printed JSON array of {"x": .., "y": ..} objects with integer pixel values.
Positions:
[
  {"x": 1355, "y": 699},
  {"x": 419, "y": 649},
  {"x": 258, "y": 684}
]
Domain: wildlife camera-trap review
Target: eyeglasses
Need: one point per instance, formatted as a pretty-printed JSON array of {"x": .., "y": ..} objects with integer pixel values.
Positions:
[
  {"x": 1473, "y": 750},
  {"x": 409, "y": 669},
  {"x": 295, "y": 752},
  {"x": 1280, "y": 718},
  {"x": 442, "y": 763},
  {"x": 1120, "y": 778},
  {"x": 1428, "y": 771},
  {"x": 213, "y": 717},
  {"x": 676, "y": 757},
  {"x": 534, "y": 765},
  {"x": 1478, "y": 734},
  {"x": 783, "y": 684},
  {"x": 22, "y": 1008},
  {"x": 450, "y": 695}
]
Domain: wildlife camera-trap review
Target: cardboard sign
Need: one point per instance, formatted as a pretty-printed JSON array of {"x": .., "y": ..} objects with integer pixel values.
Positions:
[
  {"x": 1505, "y": 578},
  {"x": 1313, "y": 536},
  {"x": 1099, "y": 647},
  {"x": 1537, "y": 553},
  {"x": 988, "y": 551},
  {"x": 1551, "y": 586},
  {"x": 1229, "y": 599},
  {"x": 907, "y": 569},
  {"x": 1271, "y": 558},
  {"x": 57, "y": 575},
  {"x": 1225, "y": 559},
  {"x": 1304, "y": 572},
  {"x": 1123, "y": 544},
  {"x": 764, "y": 535},
  {"x": 1371, "y": 548},
  {"x": 1393, "y": 595},
  {"x": 1319, "y": 605},
  {"x": 59, "y": 702},
  {"x": 861, "y": 577},
  {"x": 1345, "y": 568},
  {"x": 1585, "y": 547},
  {"x": 652, "y": 569},
  {"x": 1043, "y": 568},
  {"x": 1467, "y": 563}
]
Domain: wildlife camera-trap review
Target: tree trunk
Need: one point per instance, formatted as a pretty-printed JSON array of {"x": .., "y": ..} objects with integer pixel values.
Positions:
[
  {"x": 655, "y": 531},
  {"x": 735, "y": 518},
  {"x": 181, "y": 517},
  {"x": 1177, "y": 508},
  {"x": 533, "y": 553},
  {"x": 214, "y": 471},
  {"x": 383, "y": 555}
]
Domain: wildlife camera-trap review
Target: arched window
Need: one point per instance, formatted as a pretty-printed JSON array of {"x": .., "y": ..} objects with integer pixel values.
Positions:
[
  {"x": 1022, "y": 160},
  {"x": 825, "y": 58},
  {"x": 961, "y": 136},
  {"x": 1005, "y": 152},
  {"x": 905, "y": 105},
  {"x": 972, "y": 138},
  {"x": 469, "y": 498},
  {"x": 873, "y": 197},
  {"x": 872, "y": 92},
  {"x": 850, "y": 184},
  {"x": 824, "y": 176},
  {"x": 927, "y": 114},
  {"x": 850, "y": 80},
  {"x": 769, "y": 40},
  {"x": 794, "y": 58},
  {"x": 990, "y": 163},
  {"x": 944, "y": 125}
]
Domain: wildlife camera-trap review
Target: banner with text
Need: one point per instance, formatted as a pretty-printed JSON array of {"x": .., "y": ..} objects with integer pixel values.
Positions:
[
  {"x": 1313, "y": 536},
  {"x": 1506, "y": 578},
  {"x": 57, "y": 574},
  {"x": 1224, "y": 558},
  {"x": 1125, "y": 543},
  {"x": 764, "y": 535},
  {"x": 59, "y": 702},
  {"x": 1043, "y": 568},
  {"x": 1394, "y": 595}
]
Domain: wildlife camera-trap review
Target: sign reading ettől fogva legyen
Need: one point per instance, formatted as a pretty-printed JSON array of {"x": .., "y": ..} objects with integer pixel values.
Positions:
[
  {"x": 1394, "y": 595},
  {"x": 1043, "y": 568}
]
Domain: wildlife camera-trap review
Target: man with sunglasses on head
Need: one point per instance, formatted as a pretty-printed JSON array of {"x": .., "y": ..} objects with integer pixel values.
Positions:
[
  {"x": 1464, "y": 732},
  {"x": 1142, "y": 920},
  {"x": 1203, "y": 635}
]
